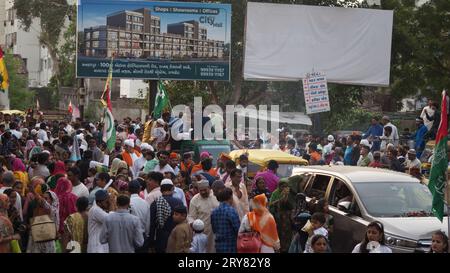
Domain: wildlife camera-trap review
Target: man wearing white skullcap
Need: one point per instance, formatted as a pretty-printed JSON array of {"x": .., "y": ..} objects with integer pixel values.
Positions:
[
  {"x": 200, "y": 207},
  {"x": 139, "y": 164},
  {"x": 130, "y": 155},
  {"x": 159, "y": 133}
]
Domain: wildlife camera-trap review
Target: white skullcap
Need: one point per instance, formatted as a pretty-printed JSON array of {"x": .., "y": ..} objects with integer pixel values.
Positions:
[
  {"x": 146, "y": 146},
  {"x": 161, "y": 121},
  {"x": 198, "y": 225},
  {"x": 202, "y": 184},
  {"x": 330, "y": 138},
  {"x": 129, "y": 142},
  {"x": 366, "y": 143},
  {"x": 34, "y": 132},
  {"x": 166, "y": 182}
]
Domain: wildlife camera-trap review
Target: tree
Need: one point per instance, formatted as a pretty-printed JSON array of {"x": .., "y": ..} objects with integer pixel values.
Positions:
[
  {"x": 21, "y": 98},
  {"x": 52, "y": 16},
  {"x": 420, "y": 56}
]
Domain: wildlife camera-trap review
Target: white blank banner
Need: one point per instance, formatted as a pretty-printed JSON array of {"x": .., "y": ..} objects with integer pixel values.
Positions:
[{"x": 284, "y": 42}]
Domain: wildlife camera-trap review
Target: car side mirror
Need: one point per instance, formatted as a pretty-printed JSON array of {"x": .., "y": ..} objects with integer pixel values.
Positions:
[{"x": 344, "y": 206}]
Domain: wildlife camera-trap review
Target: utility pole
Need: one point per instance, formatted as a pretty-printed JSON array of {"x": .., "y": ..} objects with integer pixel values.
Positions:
[
  {"x": 81, "y": 96},
  {"x": 153, "y": 89}
]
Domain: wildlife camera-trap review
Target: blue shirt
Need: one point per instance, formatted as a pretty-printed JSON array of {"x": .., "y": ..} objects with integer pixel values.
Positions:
[
  {"x": 375, "y": 131},
  {"x": 225, "y": 225},
  {"x": 418, "y": 135},
  {"x": 348, "y": 155}
]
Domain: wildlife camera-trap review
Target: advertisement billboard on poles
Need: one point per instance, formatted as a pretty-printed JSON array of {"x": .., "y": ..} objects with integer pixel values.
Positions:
[
  {"x": 351, "y": 45},
  {"x": 154, "y": 40}
]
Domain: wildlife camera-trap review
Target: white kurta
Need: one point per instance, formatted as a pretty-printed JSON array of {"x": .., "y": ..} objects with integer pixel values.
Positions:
[
  {"x": 96, "y": 218},
  {"x": 241, "y": 205},
  {"x": 138, "y": 165},
  {"x": 201, "y": 208}
]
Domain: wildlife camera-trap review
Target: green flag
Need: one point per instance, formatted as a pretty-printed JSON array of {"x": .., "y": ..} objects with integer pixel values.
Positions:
[
  {"x": 438, "y": 173},
  {"x": 161, "y": 100},
  {"x": 109, "y": 131}
]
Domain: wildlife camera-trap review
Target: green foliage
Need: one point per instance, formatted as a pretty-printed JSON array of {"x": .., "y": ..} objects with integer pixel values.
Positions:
[
  {"x": 67, "y": 52},
  {"x": 420, "y": 59},
  {"x": 21, "y": 98},
  {"x": 54, "y": 91},
  {"x": 354, "y": 119},
  {"x": 91, "y": 111}
]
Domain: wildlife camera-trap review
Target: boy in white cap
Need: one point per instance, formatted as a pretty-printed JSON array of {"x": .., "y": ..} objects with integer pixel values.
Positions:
[{"x": 200, "y": 240}]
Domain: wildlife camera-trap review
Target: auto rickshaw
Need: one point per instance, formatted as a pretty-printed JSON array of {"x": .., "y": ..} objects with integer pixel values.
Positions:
[{"x": 259, "y": 158}]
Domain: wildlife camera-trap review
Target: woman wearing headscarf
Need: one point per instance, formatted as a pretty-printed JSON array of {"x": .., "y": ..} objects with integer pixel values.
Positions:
[
  {"x": 67, "y": 201},
  {"x": 6, "y": 227},
  {"x": 262, "y": 221},
  {"x": 34, "y": 151},
  {"x": 29, "y": 146},
  {"x": 281, "y": 209},
  {"x": 20, "y": 173},
  {"x": 283, "y": 203},
  {"x": 14, "y": 215},
  {"x": 59, "y": 170},
  {"x": 41, "y": 202},
  {"x": 116, "y": 165}
]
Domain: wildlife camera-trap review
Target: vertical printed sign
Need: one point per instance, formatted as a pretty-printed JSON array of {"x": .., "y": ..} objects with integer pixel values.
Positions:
[
  {"x": 154, "y": 40},
  {"x": 315, "y": 89}
]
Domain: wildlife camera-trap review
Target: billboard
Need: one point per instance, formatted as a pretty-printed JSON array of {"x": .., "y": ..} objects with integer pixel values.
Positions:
[
  {"x": 350, "y": 45},
  {"x": 154, "y": 40}
]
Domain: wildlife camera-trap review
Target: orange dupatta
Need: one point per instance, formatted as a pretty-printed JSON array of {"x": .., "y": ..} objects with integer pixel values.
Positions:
[
  {"x": 128, "y": 159},
  {"x": 263, "y": 222}
]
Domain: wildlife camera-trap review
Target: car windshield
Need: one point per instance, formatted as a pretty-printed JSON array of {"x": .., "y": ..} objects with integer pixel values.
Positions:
[
  {"x": 395, "y": 199},
  {"x": 285, "y": 170}
]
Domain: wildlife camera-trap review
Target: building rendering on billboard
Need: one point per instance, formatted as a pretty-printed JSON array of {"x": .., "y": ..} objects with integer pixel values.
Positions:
[{"x": 159, "y": 40}]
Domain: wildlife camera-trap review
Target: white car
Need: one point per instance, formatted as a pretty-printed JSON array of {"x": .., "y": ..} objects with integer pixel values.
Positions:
[{"x": 360, "y": 195}]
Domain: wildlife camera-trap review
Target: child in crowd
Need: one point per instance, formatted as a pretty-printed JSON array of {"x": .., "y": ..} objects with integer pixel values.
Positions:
[
  {"x": 439, "y": 242},
  {"x": 314, "y": 227},
  {"x": 200, "y": 240},
  {"x": 319, "y": 244},
  {"x": 322, "y": 206}
]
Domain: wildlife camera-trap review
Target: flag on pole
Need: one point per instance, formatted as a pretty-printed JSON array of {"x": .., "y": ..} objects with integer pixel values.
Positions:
[
  {"x": 161, "y": 101},
  {"x": 75, "y": 113},
  {"x": 106, "y": 96},
  {"x": 4, "y": 78},
  {"x": 70, "y": 107},
  {"x": 109, "y": 131},
  {"x": 75, "y": 153},
  {"x": 439, "y": 165}
]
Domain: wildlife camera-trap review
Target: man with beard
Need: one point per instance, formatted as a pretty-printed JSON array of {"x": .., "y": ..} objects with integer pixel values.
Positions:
[{"x": 200, "y": 207}]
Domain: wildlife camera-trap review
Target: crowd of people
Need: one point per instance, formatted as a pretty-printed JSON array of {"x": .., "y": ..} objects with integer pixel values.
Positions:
[
  {"x": 379, "y": 147},
  {"x": 63, "y": 190}
]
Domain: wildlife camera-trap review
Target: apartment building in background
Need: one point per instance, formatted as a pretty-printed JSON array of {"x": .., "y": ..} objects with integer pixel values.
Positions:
[
  {"x": 26, "y": 44},
  {"x": 137, "y": 34}
]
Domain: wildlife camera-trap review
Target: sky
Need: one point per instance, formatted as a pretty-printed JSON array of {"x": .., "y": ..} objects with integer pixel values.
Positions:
[{"x": 94, "y": 12}]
